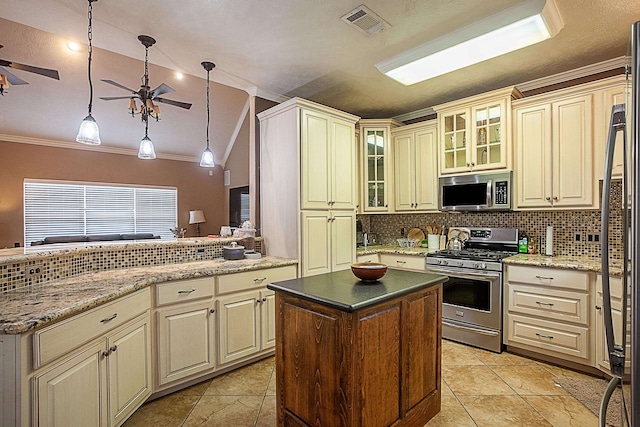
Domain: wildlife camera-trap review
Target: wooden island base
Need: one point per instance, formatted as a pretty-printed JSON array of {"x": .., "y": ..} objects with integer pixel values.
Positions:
[{"x": 376, "y": 366}]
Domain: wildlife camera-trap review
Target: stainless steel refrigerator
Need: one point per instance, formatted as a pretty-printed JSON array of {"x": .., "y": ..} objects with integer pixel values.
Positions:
[{"x": 625, "y": 346}]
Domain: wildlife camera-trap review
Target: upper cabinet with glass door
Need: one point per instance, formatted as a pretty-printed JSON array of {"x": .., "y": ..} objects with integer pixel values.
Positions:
[
  {"x": 475, "y": 132},
  {"x": 376, "y": 164}
]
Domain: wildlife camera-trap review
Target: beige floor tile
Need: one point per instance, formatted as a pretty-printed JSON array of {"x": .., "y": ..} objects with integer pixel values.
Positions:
[
  {"x": 529, "y": 380},
  {"x": 225, "y": 411},
  {"x": 563, "y": 411},
  {"x": 249, "y": 380},
  {"x": 446, "y": 391},
  {"x": 558, "y": 371},
  {"x": 167, "y": 411},
  {"x": 271, "y": 388},
  {"x": 451, "y": 414},
  {"x": 267, "y": 417},
  {"x": 458, "y": 354},
  {"x": 194, "y": 390},
  {"x": 465, "y": 380},
  {"x": 501, "y": 359},
  {"x": 501, "y": 411}
]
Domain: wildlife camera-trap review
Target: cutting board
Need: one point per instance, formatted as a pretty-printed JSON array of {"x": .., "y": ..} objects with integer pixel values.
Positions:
[{"x": 415, "y": 233}]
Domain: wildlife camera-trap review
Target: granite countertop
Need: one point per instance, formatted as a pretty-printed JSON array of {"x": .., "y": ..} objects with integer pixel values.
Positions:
[
  {"x": 35, "y": 306},
  {"x": 343, "y": 291},
  {"x": 393, "y": 249},
  {"x": 566, "y": 262}
]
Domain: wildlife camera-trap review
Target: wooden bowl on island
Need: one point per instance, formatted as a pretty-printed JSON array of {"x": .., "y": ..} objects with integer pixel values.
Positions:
[{"x": 368, "y": 271}]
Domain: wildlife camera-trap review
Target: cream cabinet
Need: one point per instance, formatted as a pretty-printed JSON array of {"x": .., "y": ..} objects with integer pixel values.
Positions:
[
  {"x": 328, "y": 241},
  {"x": 554, "y": 153},
  {"x": 602, "y": 352},
  {"x": 548, "y": 311},
  {"x": 99, "y": 385},
  {"x": 404, "y": 262},
  {"x": 307, "y": 176},
  {"x": 415, "y": 165},
  {"x": 376, "y": 164},
  {"x": 185, "y": 326},
  {"x": 475, "y": 132},
  {"x": 246, "y": 312}
]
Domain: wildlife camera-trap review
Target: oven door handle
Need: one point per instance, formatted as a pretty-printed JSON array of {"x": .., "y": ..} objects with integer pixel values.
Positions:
[
  {"x": 474, "y": 275},
  {"x": 467, "y": 328}
]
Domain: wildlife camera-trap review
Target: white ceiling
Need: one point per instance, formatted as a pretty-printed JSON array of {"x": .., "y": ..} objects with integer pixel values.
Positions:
[{"x": 274, "y": 49}]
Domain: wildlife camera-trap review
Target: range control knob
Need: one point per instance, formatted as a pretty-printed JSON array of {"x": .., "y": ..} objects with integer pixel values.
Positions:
[
  {"x": 480, "y": 265},
  {"x": 444, "y": 262}
]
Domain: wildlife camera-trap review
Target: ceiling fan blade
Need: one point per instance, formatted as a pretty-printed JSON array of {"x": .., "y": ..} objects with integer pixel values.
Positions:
[
  {"x": 13, "y": 80},
  {"x": 163, "y": 88},
  {"x": 111, "y": 82},
  {"x": 172, "y": 102},
  {"x": 111, "y": 98},
  {"x": 53, "y": 74}
]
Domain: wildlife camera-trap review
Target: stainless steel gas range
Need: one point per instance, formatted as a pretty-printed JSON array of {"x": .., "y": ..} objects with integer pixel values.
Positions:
[{"x": 472, "y": 298}]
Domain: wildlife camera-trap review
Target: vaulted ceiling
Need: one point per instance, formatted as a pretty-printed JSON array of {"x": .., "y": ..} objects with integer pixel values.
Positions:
[{"x": 272, "y": 49}]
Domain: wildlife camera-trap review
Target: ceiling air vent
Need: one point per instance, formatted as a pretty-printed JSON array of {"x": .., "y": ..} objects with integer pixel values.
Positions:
[{"x": 365, "y": 21}]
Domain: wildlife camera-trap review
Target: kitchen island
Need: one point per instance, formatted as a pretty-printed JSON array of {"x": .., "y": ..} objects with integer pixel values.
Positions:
[{"x": 350, "y": 353}]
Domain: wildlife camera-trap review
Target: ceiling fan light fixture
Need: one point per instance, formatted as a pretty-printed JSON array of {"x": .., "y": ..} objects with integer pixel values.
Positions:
[
  {"x": 4, "y": 81},
  {"x": 89, "y": 132},
  {"x": 207, "y": 160},
  {"x": 517, "y": 27},
  {"x": 146, "y": 150}
]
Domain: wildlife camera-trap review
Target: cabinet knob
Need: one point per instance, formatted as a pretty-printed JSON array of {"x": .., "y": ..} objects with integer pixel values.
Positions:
[
  {"x": 547, "y": 198},
  {"x": 113, "y": 348},
  {"x": 598, "y": 307},
  {"x": 213, "y": 310},
  {"x": 104, "y": 354},
  {"x": 264, "y": 300},
  {"x": 555, "y": 198},
  {"x": 472, "y": 164},
  {"x": 468, "y": 164},
  {"x": 386, "y": 206}
]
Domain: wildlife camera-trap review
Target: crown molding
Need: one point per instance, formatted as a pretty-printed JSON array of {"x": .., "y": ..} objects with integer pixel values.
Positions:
[
  {"x": 566, "y": 76},
  {"x": 98, "y": 148},
  {"x": 415, "y": 114},
  {"x": 265, "y": 94}
]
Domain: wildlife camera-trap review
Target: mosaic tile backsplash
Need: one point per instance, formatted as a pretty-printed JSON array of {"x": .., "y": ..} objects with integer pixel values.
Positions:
[
  {"x": 64, "y": 263},
  {"x": 566, "y": 224}
]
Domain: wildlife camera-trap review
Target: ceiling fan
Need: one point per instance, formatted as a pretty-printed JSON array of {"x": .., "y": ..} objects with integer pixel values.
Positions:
[
  {"x": 145, "y": 95},
  {"x": 6, "y": 78}
]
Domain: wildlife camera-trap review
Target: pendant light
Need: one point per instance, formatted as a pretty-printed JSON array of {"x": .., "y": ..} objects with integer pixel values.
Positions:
[
  {"x": 89, "y": 133},
  {"x": 207, "y": 160},
  {"x": 146, "y": 151}
]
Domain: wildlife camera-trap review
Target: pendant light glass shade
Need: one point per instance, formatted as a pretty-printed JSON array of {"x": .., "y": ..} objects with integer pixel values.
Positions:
[
  {"x": 207, "y": 160},
  {"x": 89, "y": 133},
  {"x": 146, "y": 151}
]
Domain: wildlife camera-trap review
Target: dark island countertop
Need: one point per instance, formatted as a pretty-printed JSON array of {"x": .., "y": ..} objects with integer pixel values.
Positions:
[{"x": 343, "y": 291}]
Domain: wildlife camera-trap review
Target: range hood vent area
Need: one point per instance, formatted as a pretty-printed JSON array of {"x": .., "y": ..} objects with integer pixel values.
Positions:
[{"x": 364, "y": 20}]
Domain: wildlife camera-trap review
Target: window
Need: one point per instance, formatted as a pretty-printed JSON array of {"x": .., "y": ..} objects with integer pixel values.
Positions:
[{"x": 59, "y": 208}]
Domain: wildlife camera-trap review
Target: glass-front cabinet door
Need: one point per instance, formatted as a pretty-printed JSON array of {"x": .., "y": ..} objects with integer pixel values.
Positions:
[
  {"x": 489, "y": 140},
  {"x": 455, "y": 142},
  {"x": 375, "y": 145}
]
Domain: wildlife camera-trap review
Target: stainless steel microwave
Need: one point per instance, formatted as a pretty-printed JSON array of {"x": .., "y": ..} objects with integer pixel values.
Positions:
[{"x": 477, "y": 192}]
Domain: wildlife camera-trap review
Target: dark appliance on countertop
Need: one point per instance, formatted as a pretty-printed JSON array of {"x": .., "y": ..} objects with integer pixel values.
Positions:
[
  {"x": 476, "y": 192},
  {"x": 472, "y": 298},
  {"x": 623, "y": 347}
]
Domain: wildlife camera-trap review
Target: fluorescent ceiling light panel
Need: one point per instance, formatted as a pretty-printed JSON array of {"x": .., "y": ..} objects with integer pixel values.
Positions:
[{"x": 522, "y": 25}]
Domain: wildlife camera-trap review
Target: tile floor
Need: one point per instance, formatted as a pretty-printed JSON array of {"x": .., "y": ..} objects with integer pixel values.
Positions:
[{"x": 479, "y": 388}]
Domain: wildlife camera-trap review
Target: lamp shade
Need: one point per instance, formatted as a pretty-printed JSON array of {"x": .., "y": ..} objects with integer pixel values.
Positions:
[
  {"x": 146, "y": 150},
  {"x": 88, "y": 133},
  {"x": 207, "y": 160},
  {"x": 196, "y": 217}
]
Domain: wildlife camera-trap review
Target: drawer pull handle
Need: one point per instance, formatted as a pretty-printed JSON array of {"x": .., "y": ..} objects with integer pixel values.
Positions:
[
  {"x": 545, "y": 303},
  {"x": 259, "y": 279},
  {"x": 110, "y": 318},
  {"x": 544, "y": 336},
  {"x": 186, "y": 291},
  {"x": 544, "y": 277},
  {"x": 401, "y": 262}
]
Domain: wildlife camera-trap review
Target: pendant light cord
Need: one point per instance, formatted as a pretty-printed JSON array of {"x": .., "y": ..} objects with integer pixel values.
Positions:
[
  {"x": 208, "y": 114},
  {"x": 90, "y": 37}
]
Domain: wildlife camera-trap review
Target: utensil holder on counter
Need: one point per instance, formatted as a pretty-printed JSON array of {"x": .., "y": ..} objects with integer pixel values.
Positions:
[{"x": 434, "y": 241}]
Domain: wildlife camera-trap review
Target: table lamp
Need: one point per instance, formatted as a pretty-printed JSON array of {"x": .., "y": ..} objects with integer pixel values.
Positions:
[{"x": 196, "y": 217}]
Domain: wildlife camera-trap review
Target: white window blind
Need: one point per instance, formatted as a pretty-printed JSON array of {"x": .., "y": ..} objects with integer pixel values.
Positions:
[{"x": 61, "y": 208}]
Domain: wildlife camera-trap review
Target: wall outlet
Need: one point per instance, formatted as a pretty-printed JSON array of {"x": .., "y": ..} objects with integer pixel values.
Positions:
[
  {"x": 593, "y": 238},
  {"x": 33, "y": 271},
  {"x": 577, "y": 238}
]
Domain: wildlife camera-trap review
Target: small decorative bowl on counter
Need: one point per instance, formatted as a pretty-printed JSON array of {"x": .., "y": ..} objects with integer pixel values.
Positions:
[
  {"x": 368, "y": 271},
  {"x": 408, "y": 243}
]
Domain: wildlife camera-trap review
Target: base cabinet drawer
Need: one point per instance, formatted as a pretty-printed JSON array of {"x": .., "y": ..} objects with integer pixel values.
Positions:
[
  {"x": 367, "y": 258},
  {"x": 551, "y": 336},
  {"x": 549, "y": 277},
  {"x": 254, "y": 279},
  {"x": 406, "y": 262},
  {"x": 552, "y": 304}
]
